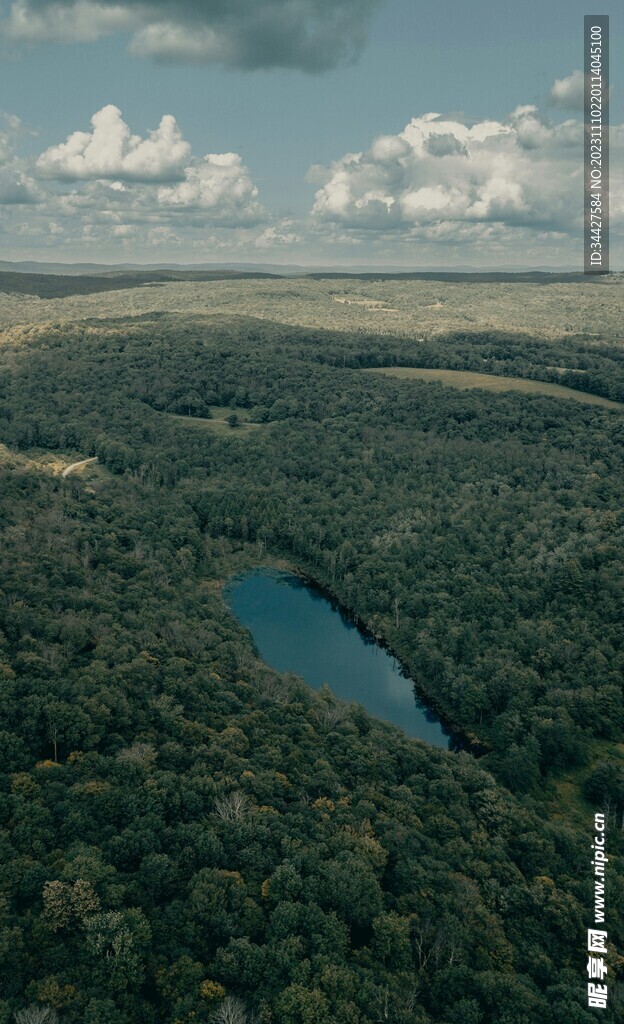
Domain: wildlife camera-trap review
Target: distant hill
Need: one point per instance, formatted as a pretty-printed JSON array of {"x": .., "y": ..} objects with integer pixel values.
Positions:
[
  {"x": 98, "y": 269},
  {"x": 470, "y": 277},
  {"x": 279, "y": 269},
  {"x": 57, "y": 286}
]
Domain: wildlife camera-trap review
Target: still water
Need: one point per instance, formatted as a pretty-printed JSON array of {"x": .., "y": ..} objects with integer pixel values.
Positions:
[{"x": 297, "y": 629}]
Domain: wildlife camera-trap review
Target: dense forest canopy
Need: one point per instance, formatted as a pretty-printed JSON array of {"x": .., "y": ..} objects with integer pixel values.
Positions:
[
  {"x": 413, "y": 307},
  {"x": 48, "y": 285},
  {"x": 190, "y": 836}
]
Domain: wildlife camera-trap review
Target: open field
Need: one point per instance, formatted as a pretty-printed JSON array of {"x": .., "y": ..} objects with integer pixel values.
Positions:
[
  {"x": 567, "y": 802},
  {"x": 218, "y": 423},
  {"x": 369, "y": 304},
  {"x": 487, "y": 382},
  {"x": 413, "y": 309}
]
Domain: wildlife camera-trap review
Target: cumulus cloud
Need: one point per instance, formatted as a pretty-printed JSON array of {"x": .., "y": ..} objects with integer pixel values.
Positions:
[
  {"x": 110, "y": 151},
  {"x": 311, "y": 35},
  {"x": 133, "y": 218},
  {"x": 219, "y": 184},
  {"x": 110, "y": 187},
  {"x": 278, "y": 236},
  {"x": 446, "y": 176},
  {"x": 569, "y": 92},
  {"x": 444, "y": 189}
]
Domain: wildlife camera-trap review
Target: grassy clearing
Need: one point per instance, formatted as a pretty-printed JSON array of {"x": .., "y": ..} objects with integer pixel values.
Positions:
[
  {"x": 567, "y": 802},
  {"x": 54, "y": 464},
  {"x": 487, "y": 382},
  {"x": 374, "y": 305},
  {"x": 45, "y": 462},
  {"x": 565, "y": 369},
  {"x": 218, "y": 423}
]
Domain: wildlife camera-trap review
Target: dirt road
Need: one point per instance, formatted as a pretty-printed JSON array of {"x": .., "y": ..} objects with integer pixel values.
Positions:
[{"x": 77, "y": 465}]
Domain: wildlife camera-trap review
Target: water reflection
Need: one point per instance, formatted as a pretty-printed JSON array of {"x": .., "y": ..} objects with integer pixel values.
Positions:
[{"x": 297, "y": 629}]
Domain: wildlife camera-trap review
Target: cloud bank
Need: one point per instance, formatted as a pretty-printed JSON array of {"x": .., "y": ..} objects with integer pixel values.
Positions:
[
  {"x": 111, "y": 188},
  {"x": 124, "y": 169},
  {"x": 446, "y": 189},
  {"x": 310, "y": 35},
  {"x": 447, "y": 177}
]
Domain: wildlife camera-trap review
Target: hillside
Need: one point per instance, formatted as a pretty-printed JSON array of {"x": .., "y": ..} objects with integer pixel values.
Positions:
[
  {"x": 56, "y": 286},
  {"x": 416, "y": 309},
  {"x": 188, "y": 833}
]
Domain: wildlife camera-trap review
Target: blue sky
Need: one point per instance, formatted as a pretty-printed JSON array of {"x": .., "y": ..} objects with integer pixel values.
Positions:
[{"x": 510, "y": 196}]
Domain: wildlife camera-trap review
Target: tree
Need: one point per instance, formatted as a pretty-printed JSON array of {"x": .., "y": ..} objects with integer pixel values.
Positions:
[
  {"x": 117, "y": 940},
  {"x": 301, "y": 1005},
  {"x": 36, "y": 1015},
  {"x": 233, "y": 807},
  {"x": 230, "y": 1011}
]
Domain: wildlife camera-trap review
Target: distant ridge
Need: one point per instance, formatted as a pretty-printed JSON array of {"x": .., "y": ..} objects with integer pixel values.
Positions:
[
  {"x": 56, "y": 286},
  {"x": 280, "y": 269},
  {"x": 73, "y": 269},
  {"x": 468, "y": 277}
]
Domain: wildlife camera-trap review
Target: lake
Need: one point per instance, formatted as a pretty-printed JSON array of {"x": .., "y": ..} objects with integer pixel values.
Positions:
[{"x": 296, "y": 628}]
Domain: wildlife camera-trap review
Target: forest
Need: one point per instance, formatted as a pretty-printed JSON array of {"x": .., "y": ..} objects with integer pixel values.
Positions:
[
  {"x": 189, "y": 836},
  {"x": 54, "y": 286}
]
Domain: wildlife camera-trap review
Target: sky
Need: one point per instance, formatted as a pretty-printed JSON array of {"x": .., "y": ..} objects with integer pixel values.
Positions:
[{"x": 312, "y": 132}]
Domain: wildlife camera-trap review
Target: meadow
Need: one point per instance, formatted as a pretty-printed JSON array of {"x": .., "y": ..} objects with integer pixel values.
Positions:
[{"x": 487, "y": 382}]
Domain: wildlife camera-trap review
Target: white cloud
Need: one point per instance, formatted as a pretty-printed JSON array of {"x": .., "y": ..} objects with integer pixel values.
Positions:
[
  {"x": 167, "y": 41},
  {"x": 568, "y": 92},
  {"x": 117, "y": 191},
  {"x": 278, "y": 236},
  {"x": 444, "y": 190},
  {"x": 219, "y": 184},
  {"x": 445, "y": 176},
  {"x": 110, "y": 151},
  {"x": 530, "y": 130}
]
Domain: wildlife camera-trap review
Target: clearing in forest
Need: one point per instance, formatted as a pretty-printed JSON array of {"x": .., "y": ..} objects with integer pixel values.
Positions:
[
  {"x": 489, "y": 382},
  {"x": 219, "y": 422}
]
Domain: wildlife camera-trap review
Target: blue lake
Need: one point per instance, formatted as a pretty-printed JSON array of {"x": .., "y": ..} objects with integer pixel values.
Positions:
[{"x": 297, "y": 629}]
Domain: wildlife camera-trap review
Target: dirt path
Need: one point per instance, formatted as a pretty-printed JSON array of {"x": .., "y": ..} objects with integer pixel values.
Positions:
[{"x": 77, "y": 465}]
